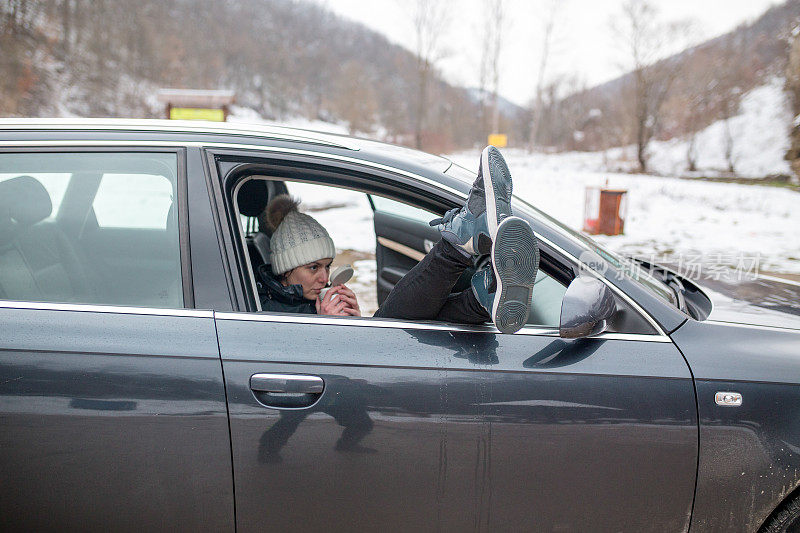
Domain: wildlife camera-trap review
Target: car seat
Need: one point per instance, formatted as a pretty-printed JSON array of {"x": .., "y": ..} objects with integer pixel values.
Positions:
[{"x": 37, "y": 261}]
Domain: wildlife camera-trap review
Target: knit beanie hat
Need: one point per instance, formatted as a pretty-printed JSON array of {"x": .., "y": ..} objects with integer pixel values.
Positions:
[{"x": 297, "y": 238}]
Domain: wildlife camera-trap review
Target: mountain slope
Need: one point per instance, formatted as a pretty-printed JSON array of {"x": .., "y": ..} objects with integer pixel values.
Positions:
[{"x": 712, "y": 78}]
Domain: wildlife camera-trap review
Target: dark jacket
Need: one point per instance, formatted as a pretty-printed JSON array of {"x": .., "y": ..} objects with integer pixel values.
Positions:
[{"x": 275, "y": 297}]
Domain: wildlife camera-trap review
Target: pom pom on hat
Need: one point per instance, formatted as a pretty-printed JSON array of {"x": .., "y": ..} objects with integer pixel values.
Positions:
[
  {"x": 297, "y": 238},
  {"x": 278, "y": 208}
]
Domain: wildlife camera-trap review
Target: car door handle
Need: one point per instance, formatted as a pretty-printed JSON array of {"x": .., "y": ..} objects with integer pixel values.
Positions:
[
  {"x": 287, "y": 383},
  {"x": 286, "y": 391}
]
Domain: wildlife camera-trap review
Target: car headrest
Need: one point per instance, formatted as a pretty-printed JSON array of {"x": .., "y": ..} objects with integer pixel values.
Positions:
[
  {"x": 253, "y": 198},
  {"x": 24, "y": 200}
]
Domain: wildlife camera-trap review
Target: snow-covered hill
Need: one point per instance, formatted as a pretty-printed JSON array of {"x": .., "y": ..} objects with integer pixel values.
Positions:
[{"x": 759, "y": 135}]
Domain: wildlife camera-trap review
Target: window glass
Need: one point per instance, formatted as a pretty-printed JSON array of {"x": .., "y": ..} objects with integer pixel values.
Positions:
[
  {"x": 147, "y": 199},
  {"x": 90, "y": 228},
  {"x": 546, "y": 302},
  {"x": 394, "y": 207}
]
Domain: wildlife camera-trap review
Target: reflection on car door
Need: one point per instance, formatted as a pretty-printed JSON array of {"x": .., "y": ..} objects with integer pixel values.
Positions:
[
  {"x": 376, "y": 448},
  {"x": 423, "y": 427}
]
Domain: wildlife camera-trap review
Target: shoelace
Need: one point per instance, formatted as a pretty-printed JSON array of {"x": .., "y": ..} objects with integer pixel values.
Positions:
[{"x": 447, "y": 217}]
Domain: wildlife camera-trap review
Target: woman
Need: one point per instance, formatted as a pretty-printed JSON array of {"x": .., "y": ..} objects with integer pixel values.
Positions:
[{"x": 302, "y": 252}]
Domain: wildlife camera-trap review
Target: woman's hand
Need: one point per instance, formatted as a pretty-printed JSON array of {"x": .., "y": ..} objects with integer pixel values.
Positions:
[
  {"x": 349, "y": 296},
  {"x": 338, "y": 301}
]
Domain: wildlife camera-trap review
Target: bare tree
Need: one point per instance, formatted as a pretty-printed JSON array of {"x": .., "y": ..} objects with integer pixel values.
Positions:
[
  {"x": 429, "y": 18},
  {"x": 732, "y": 73},
  {"x": 645, "y": 40},
  {"x": 493, "y": 45},
  {"x": 549, "y": 21},
  {"x": 689, "y": 105},
  {"x": 354, "y": 96},
  {"x": 565, "y": 112},
  {"x": 793, "y": 87}
]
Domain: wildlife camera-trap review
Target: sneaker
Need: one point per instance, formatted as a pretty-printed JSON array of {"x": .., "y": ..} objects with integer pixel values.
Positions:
[
  {"x": 498, "y": 186},
  {"x": 472, "y": 228},
  {"x": 515, "y": 261}
]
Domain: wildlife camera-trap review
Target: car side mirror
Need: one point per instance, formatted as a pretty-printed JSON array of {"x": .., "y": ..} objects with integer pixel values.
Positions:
[{"x": 587, "y": 305}]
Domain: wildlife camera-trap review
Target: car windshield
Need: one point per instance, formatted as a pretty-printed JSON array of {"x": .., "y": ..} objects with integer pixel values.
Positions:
[{"x": 624, "y": 266}]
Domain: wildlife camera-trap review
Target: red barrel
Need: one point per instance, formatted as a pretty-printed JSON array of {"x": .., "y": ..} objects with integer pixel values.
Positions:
[{"x": 604, "y": 211}]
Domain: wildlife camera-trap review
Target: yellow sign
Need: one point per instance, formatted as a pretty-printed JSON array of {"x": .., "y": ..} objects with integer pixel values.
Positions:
[
  {"x": 499, "y": 140},
  {"x": 192, "y": 113}
]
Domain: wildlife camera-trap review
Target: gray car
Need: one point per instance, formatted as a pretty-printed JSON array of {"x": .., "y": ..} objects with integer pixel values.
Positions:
[{"x": 142, "y": 387}]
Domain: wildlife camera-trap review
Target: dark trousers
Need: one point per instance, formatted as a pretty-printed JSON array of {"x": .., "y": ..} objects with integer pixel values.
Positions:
[{"x": 424, "y": 293}]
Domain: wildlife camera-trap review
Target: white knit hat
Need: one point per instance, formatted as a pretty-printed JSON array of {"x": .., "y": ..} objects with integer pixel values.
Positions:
[{"x": 297, "y": 238}]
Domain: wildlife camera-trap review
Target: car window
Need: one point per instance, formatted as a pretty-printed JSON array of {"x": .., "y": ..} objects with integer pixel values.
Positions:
[
  {"x": 348, "y": 218},
  {"x": 345, "y": 215},
  {"x": 90, "y": 228}
]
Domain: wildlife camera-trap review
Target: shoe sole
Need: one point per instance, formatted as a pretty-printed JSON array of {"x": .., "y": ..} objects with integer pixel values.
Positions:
[
  {"x": 515, "y": 259},
  {"x": 494, "y": 169}
]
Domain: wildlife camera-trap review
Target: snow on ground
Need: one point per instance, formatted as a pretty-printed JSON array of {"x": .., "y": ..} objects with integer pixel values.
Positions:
[{"x": 666, "y": 215}]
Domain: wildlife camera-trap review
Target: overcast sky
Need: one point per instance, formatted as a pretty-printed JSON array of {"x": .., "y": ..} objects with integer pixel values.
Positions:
[{"x": 584, "y": 44}]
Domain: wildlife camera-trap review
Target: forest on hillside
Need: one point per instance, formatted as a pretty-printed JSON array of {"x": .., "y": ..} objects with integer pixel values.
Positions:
[
  {"x": 283, "y": 58},
  {"x": 289, "y": 58}
]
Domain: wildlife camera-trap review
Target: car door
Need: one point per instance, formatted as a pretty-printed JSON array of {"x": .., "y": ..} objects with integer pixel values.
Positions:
[
  {"x": 571, "y": 422},
  {"x": 359, "y": 423},
  {"x": 112, "y": 404},
  {"x": 356, "y": 423}
]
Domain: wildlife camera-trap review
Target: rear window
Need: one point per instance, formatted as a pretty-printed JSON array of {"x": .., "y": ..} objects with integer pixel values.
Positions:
[{"x": 90, "y": 228}]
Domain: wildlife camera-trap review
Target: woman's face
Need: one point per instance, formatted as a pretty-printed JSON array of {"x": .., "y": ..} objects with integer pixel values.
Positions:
[{"x": 313, "y": 277}]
